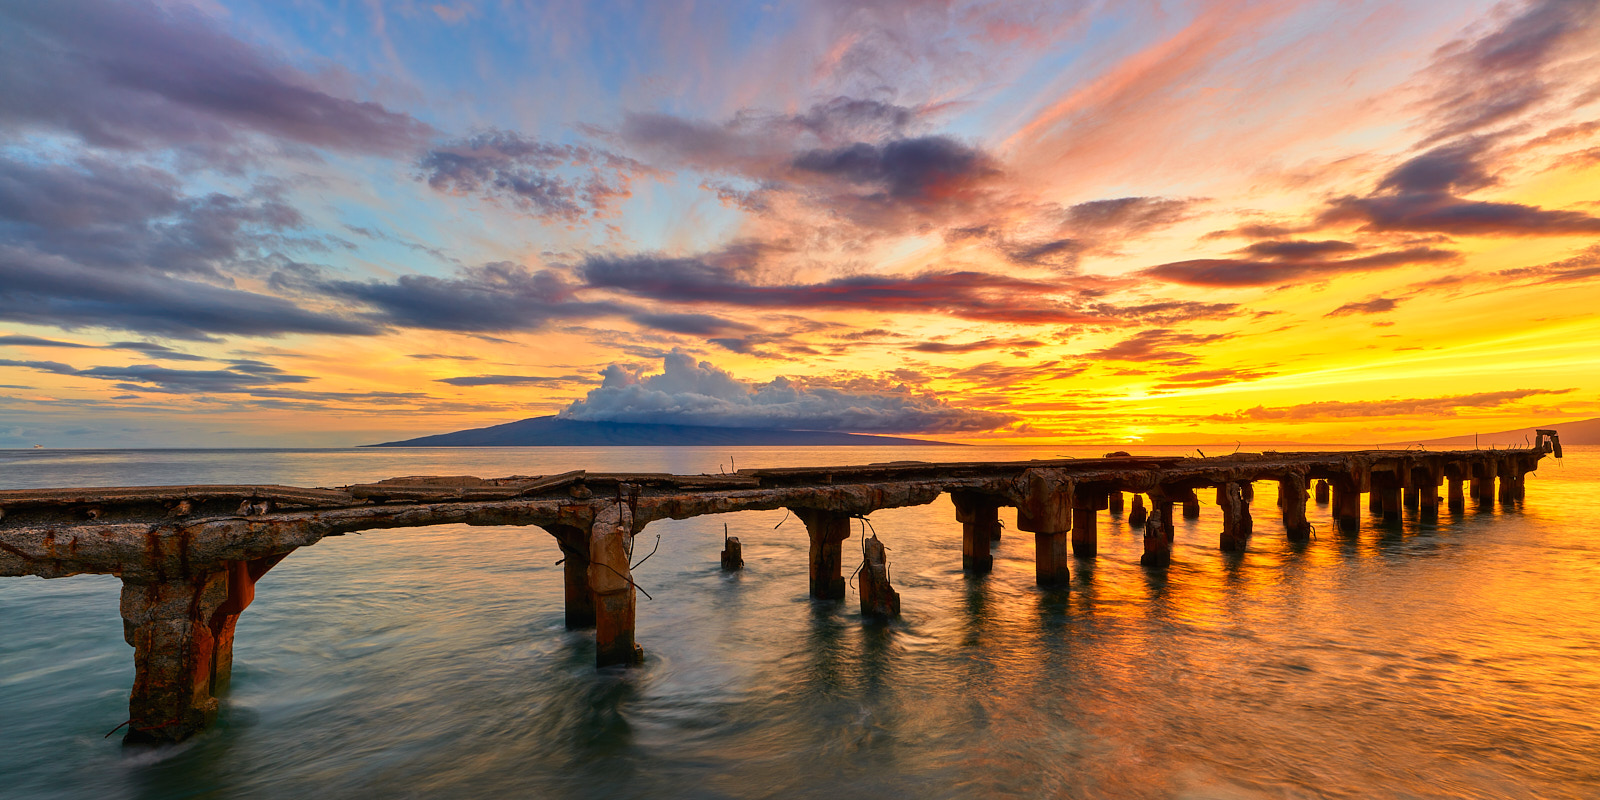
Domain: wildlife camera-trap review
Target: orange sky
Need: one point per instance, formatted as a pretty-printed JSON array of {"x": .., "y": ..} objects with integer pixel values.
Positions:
[{"x": 232, "y": 224}]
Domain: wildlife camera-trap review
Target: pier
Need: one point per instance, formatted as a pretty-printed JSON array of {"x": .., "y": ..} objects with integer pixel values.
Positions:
[{"x": 190, "y": 557}]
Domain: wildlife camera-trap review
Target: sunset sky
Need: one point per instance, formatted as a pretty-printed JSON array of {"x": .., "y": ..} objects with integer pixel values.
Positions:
[{"x": 249, "y": 223}]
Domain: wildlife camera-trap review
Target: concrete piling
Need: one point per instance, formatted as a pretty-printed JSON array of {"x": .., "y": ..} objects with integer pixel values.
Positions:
[
  {"x": 1292, "y": 503},
  {"x": 827, "y": 530},
  {"x": 1138, "y": 514},
  {"x": 878, "y": 598},
  {"x": 979, "y": 515}
]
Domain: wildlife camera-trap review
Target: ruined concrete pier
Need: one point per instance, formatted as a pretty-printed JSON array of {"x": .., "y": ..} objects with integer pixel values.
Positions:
[{"x": 190, "y": 557}]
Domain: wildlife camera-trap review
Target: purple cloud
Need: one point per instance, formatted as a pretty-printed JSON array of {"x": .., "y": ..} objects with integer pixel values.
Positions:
[{"x": 134, "y": 75}]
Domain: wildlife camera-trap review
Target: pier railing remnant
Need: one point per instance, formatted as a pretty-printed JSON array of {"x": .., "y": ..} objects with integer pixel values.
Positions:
[{"x": 189, "y": 556}]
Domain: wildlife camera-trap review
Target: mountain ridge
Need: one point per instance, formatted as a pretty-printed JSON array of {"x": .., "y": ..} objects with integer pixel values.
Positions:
[{"x": 1575, "y": 432}]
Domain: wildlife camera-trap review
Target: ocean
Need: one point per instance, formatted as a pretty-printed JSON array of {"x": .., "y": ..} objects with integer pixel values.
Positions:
[{"x": 1415, "y": 660}]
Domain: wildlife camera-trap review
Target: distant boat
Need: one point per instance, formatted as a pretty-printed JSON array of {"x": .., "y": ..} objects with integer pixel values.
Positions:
[{"x": 38, "y": 447}]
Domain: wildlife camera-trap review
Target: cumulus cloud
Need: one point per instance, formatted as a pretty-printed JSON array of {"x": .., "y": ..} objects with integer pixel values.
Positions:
[{"x": 690, "y": 393}]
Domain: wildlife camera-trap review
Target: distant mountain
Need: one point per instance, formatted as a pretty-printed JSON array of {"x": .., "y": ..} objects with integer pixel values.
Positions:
[
  {"x": 558, "y": 432},
  {"x": 1584, "y": 431}
]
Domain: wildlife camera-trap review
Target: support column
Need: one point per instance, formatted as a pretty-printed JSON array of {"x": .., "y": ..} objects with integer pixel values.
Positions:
[
  {"x": 1114, "y": 502},
  {"x": 182, "y": 637},
  {"x": 828, "y": 530},
  {"x": 1483, "y": 481},
  {"x": 1085, "y": 532},
  {"x": 1157, "y": 545},
  {"x": 1347, "y": 502},
  {"x": 174, "y": 655},
  {"x": 574, "y": 543},
  {"x": 1411, "y": 497},
  {"x": 878, "y": 598},
  {"x": 1164, "y": 506},
  {"x": 1230, "y": 500},
  {"x": 611, "y": 579},
  {"x": 1388, "y": 492},
  {"x": 1191, "y": 504},
  {"x": 1456, "y": 495},
  {"x": 1322, "y": 491},
  {"x": 1292, "y": 500},
  {"x": 1375, "y": 501},
  {"x": 979, "y": 515},
  {"x": 1247, "y": 490},
  {"x": 1138, "y": 514},
  {"x": 1046, "y": 510},
  {"x": 1427, "y": 480},
  {"x": 1506, "y": 472}
]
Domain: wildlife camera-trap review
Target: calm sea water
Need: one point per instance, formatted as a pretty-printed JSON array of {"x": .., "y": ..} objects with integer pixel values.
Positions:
[{"x": 1418, "y": 660}]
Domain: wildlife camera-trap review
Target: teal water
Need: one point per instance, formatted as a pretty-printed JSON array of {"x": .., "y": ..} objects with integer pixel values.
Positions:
[{"x": 1420, "y": 660}]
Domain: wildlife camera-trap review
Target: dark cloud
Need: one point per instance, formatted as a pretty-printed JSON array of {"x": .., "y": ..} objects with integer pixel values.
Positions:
[
  {"x": 550, "y": 181},
  {"x": 1126, "y": 216},
  {"x": 860, "y": 161},
  {"x": 112, "y": 216},
  {"x": 1445, "y": 213},
  {"x": 1581, "y": 267},
  {"x": 692, "y": 324},
  {"x": 1377, "y": 305},
  {"x": 41, "y": 289},
  {"x": 515, "y": 380},
  {"x": 967, "y": 295},
  {"x": 16, "y": 340},
  {"x": 1209, "y": 377},
  {"x": 1454, "y": 168},
  {"x": 244, "y": 376},
  {"x": 99, "y": 244},
  {"x": 43, "y": 366},
  {"x": 496, "y": 297},
  {"x": 923, "y": 170},
  {"x": 148, "y": 348},
  {"x": 1299, "y": 250},
  {"x": 757, "y": 143},
  {"x": 1052, "y": 253},
  {"x": 1430, "y": 406},
  {"x": 1231, "y": 272},
  {"x": 1166, "y": 312},
  {"x": 975, "y": 346},
  {"x": 132, "y": 74},
  {"x": 1422, "y": 195},
  {"x": 690, "y": 393},
  {"x": 1543, "y": 49},
  {"x": 995, "y": 375},
  {"x": 1157, "y": 344}
]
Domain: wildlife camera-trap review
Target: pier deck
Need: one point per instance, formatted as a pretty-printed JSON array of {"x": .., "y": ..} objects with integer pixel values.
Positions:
[{"x": 189, "y": 556}]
